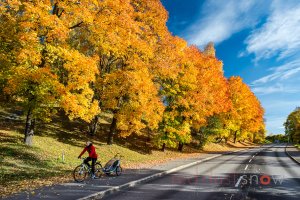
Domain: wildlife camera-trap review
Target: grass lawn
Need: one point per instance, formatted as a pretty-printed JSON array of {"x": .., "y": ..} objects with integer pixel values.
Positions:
[{"x": 25, "y": 168}]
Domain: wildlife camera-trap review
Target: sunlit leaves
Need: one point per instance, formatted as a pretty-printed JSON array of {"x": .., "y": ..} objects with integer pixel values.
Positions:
[
  {"x": 246, "y": 114},
  {"x": 47, "y": 73},
  {"x": 118, "y": 56},
  {"x": 292, "y": 126}
]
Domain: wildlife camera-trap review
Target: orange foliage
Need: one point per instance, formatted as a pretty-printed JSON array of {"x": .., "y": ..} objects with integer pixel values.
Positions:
[{"x": 78, "y": 55}]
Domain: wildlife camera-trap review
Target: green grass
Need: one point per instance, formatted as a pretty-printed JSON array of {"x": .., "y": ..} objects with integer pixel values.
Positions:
[
  {"x": 23, "y": 167},
  {"x": 298, "y": 146}
]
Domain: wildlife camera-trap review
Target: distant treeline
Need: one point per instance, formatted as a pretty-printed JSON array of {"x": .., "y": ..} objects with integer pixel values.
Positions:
[{"x": 277, "y": 138}]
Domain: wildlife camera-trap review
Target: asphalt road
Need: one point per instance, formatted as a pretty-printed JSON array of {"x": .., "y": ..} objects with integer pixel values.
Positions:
[{"x": 265, "y": 173}]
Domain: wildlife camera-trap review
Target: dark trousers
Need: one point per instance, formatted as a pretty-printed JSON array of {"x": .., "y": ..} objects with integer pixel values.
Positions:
[{"x": 87, "y": 160}]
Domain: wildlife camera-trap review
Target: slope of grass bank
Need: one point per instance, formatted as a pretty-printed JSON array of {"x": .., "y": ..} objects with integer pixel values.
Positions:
[
  {"x": 42, "y": 164},
  {"x": 56, "y": 147}
]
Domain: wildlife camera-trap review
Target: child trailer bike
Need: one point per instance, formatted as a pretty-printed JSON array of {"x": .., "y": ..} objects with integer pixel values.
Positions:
[{"x": 113, "y": 166}]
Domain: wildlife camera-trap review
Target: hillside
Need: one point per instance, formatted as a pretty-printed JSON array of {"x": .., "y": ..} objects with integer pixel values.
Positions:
[{"x": 43, "y": 164}]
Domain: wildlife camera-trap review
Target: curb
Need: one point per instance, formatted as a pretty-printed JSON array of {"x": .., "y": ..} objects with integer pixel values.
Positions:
[
  {"x": 289, "y": 155},
  {"x": 101, "y": 194}
]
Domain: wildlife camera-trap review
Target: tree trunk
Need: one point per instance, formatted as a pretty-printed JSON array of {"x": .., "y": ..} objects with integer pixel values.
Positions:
[
  {"x": 218, "y": 140},
  {"x": 201, "y": 140},
  {"x": 149, "y": 135},
  {"x": 112, "y": 131},
  {"x": 93, "y": 126},
  {"x": 235, "y": 136},
  {"x": 163, "y": 148},
  {"x": 180, "y": 146},
  {"x": 29, "y": 128}
]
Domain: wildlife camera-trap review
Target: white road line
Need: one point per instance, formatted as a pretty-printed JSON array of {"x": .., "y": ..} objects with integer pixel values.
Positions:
[
  {"x": 250, "y": 160},
  {"x": 246, "y": 167},
  {"x": 253, "y": 156},
  {"x": 238, "y": 182}
]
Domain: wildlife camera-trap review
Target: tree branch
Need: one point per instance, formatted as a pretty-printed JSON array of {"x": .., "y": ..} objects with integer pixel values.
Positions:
[{"x": 76, "y": 25}]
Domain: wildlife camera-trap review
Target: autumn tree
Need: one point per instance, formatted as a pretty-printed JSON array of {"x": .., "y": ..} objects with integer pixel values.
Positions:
[
  {"x": 210, "y": 97},
  {"x": 119, "y": 57},
  {"x": 246, "y": 115},
  {"x": 43, "y": 72},
  {"x": 123, "y": 36},
  {"x": 260, "y": 135},
  {"x": 193, "y": 88},
  {"x": 292, "y": 126},
  {"x": 209, "y": 50},
  {"x": 175, "y": 78}
]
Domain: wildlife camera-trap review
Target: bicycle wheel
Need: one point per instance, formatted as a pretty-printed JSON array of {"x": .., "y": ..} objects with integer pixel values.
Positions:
[
  {"x": 98, "y": 170},
  {"x": 118, "y": 170},
  {"x": 80, "y": 173}
]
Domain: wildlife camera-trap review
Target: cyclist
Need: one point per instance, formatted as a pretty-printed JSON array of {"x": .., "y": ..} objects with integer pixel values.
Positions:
[{"x": 92, "y": 156}]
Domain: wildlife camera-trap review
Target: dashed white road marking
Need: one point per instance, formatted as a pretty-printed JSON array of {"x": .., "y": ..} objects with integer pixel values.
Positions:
[
  {"x": 250, "y": 160},
  {"x": 246, "y": 167}
]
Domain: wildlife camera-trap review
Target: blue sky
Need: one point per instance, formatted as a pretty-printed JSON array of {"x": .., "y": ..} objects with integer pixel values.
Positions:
[{"x": 258, "y": 40}]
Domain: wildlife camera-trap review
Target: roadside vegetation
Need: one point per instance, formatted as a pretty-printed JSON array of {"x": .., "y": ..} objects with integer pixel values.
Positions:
[
  {"x": 277, "y": 138},
  {"x": 111, "y": 72},
  {"x": 292, "y": 127}
]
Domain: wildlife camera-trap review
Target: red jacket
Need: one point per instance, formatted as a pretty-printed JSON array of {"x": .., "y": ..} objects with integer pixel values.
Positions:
[{"x": 92, "y": 151}]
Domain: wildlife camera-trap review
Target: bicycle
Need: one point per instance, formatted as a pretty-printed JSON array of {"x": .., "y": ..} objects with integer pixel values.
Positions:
[{"x": 81, "y": 171}]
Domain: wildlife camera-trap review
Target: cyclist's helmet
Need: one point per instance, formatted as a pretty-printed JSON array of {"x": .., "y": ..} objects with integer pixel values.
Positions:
[{"x": 88, "y": 143}]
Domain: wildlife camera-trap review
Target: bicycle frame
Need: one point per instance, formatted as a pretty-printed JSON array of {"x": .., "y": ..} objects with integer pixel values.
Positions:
[{"x": 85, "y": 168}]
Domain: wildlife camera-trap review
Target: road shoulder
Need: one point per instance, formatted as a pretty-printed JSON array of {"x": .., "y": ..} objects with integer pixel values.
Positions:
[{"x": 293, "y": 153}]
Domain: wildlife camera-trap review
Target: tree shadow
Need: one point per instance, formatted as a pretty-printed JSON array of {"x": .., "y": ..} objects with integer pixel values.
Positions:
[{"x": 25, "y": 162}]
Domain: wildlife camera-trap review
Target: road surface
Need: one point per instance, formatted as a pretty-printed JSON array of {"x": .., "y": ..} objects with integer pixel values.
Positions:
[{"x": 260, "y": 173}]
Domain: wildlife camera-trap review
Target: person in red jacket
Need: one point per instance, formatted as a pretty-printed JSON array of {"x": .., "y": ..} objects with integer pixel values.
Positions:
[{"x": 92, "y": 156}]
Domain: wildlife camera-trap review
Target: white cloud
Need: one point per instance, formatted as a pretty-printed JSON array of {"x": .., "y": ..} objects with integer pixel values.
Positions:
[
  {"x": 280, "y": 73},
  {"x": 282, "y": 79},
  {"x": 274, "y": 89},
  {"x": 268, "y": 89},
  {"x": 221, "y": 19},
  {"x": 279, "y": 36},
  {"x": 281, "y": 105}
]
